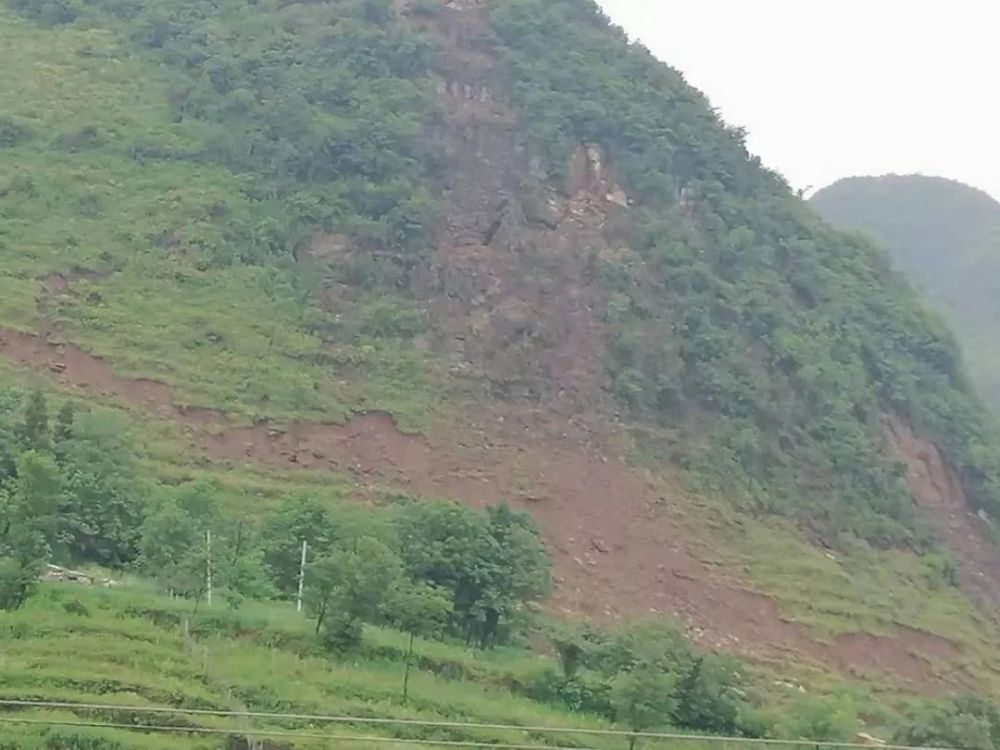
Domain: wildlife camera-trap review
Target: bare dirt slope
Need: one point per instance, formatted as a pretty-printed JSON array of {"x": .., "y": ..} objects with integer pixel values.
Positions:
[{"x": 937, "y": 489}]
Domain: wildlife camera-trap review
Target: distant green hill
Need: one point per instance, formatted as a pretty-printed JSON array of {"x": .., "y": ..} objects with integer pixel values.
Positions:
[{"x": 946, "y": 237}]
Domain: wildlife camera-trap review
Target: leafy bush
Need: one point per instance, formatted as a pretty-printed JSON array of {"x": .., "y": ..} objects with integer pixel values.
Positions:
[
  {"x": 648, "y": 676},
  {"x": 827, "y": 719},
  {"x": 966, "y": 722}
]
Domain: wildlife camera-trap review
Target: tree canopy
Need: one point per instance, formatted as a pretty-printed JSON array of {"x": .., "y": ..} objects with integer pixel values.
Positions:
[{"x": 945, "y": 236}]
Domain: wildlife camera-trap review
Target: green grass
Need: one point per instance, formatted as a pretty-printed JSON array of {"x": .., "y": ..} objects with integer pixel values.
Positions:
[
  {"x": 164, "y": 301},
  {"x": 117, "y": 654},
  {"x": 857, "y": 590},
  {"x": 128, "y": 647}
]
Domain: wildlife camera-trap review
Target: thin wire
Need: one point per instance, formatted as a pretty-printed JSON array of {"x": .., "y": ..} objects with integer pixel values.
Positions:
[
  {"x": 449, "y": 725},
  {"x": 275, "y": 733}
]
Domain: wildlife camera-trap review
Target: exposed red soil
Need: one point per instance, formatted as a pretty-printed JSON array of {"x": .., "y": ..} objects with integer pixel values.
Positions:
[
  {"x": 936, "y": 488},
  {"x": 617, "y": 550}
]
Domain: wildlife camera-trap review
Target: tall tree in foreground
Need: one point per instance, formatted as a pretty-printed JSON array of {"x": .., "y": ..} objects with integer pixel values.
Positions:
[
  {"x": 494, "y": 566},
  {"x": 349, "y": 587},
  {"x": 29, "y": 525},
  {"x": 417, "y": 609}
]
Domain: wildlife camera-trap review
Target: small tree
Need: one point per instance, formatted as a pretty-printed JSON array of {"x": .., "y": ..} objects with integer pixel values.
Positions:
[
  {"x": 832, "y": 719},
  {"x": 707, "y": 695},
  {"x": 300, "y": 519},
  {"x": 418, "y": 609},
  {"x": 575, "y": 644},
  {"x": 22, "y": 558},
  {"x": 34, "y": 427},
  {"x": 966, "y": 722},
  {"x": 102, "y": 512},
  {"x": 349, "y": 587},
  {"x": 37, "y": 496},
  {"x": 173, "y": 550},
  {"x": 62, "y": 433},
  {"x": 644, "y": 697}
]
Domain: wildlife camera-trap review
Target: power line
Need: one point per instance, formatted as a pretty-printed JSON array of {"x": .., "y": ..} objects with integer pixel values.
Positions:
[
  {"x": 383, "y": 721},
  {"x": 276, "y": 733}
]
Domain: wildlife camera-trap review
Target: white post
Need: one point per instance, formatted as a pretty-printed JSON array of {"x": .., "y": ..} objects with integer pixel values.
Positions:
[
  {"x": 302, "y": 577},
  {"x": 208, "y": 567}
]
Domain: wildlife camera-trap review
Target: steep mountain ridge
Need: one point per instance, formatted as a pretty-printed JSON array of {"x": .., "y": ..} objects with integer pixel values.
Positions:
[
  {"x": 609, "y": 297},
  {"x": 945, "y": 236}
]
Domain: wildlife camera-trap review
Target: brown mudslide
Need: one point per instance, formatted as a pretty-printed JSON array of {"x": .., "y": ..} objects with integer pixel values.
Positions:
[{"x": 617, "y": 549}]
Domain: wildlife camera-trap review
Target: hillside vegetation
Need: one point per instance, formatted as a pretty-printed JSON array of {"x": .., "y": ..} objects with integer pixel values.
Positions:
[
  {"x": 485, "y": 305},
  {"x": 732, "y": 315},
  {"x": 945, "y": 236},
  {"x": 733, "y": 302}
]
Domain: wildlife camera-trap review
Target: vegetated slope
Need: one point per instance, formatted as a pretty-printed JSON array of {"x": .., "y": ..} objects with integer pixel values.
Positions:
[
  {"x": 129, "y": 648},
  {"x": 510, "y": 229},
  {"x": 946, "y": 237}
]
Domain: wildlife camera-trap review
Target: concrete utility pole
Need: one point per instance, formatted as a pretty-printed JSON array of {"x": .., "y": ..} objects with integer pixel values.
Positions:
[
  {"x": 208, "y": 567},
  {"x": 302, "y": 577}
]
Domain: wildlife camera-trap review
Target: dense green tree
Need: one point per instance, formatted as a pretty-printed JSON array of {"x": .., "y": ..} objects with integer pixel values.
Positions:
[
  {"x": 34, "y": 427},
  {"x": 36, "y": 497},
  {"x": 709, "y": 695},
  {"x": 10, "y": 448},
  {"x": 62, "y": 432},
  {"x": 102, "y": 510},
  {"x": 514, "y": 570},
  {"x": 832, "y": 719},
  {"x": 966, "y": 722},
  {"x": 24, "y": 549},
  {"x": 173, "y": 547},
  {"x": 644, "y": 697},
  {"x": 298, "y": 519},
  {"x": 324, "y": 525},
  {"x": 29, "y": 525},
  {"x": 492, "y": 565},
  {"x": 349, "y": 586}
]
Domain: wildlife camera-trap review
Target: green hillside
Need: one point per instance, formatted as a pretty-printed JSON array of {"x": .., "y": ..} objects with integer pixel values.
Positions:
[
  {"x": 313, "y": 271},
  {"x": 945, "y": 236}
]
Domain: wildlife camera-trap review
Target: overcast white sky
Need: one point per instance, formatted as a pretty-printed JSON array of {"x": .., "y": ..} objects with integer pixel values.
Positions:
[{"x": 833, "y": 88}]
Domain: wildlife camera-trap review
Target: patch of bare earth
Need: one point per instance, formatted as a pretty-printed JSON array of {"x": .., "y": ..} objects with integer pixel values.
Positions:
[
  {"x": 936, "y": 488},
  {"x": 617, "y": 549}
]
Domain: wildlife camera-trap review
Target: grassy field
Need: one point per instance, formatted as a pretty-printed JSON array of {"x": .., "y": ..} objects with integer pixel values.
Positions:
[
  {"x": 127, "y": 647},
  {"x": 857, "y": 590},
  {"x": 98, "y": 182}
]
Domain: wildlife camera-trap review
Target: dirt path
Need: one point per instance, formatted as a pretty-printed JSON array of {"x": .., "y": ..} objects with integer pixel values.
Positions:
[{"x": 616, "y": 551}]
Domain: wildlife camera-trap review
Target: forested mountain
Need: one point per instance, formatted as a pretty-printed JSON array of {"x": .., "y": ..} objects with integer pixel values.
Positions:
[
  {"x": 945, "y": 236},
  {"x": 485, "y": 305}
]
